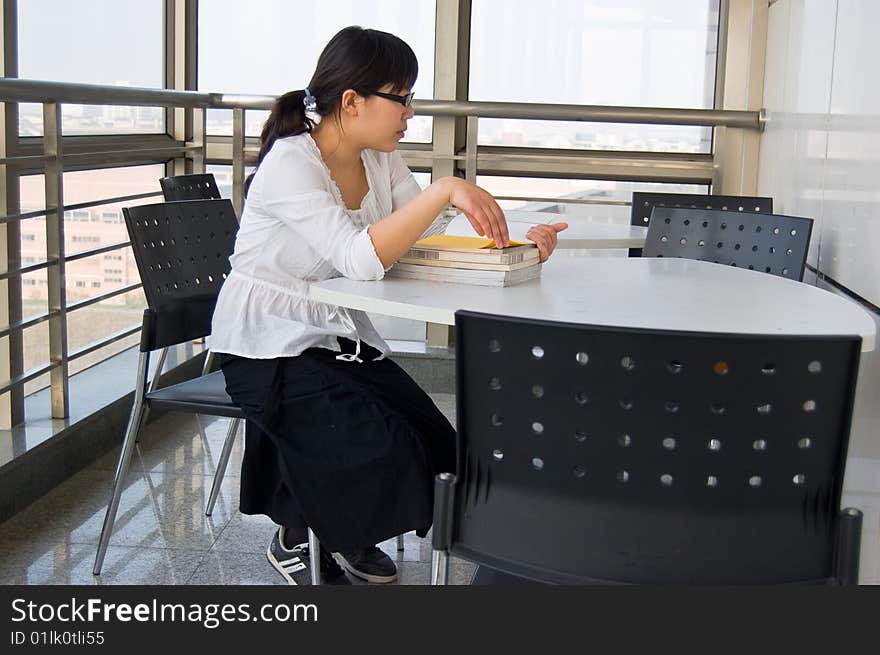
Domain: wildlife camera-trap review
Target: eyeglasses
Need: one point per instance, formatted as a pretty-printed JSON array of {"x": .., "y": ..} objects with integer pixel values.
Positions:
[{"x": 406, "y": 100}]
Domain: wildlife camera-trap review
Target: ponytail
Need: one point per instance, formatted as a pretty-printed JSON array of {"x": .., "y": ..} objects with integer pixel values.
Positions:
[{"x": 287, "y": 118}]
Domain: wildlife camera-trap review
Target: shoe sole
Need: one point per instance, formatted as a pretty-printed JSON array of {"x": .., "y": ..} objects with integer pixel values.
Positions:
[
  {"x": 277, "y": 566},
  {"x": 381, "y": 579}
]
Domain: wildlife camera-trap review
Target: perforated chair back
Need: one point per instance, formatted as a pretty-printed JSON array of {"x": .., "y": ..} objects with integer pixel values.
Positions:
[
  {"x": 643, "y": 204},
  {"x": 182, "y": 252},
  {"x": 769, "y": 243},
  {"x": 589, "y": 453},
  {"x": 190, "y": 187}
]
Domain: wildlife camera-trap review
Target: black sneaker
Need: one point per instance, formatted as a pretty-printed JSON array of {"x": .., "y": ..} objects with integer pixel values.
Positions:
[
  {"x": 370, "y": 564},
  {"x": 294, "y": 563}
]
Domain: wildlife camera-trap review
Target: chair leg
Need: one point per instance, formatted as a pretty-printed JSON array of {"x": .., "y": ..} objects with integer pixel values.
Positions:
[
  {"x": 849, "y": 538},
  {"x": 315, "y": 557},
  {"x": 162, "y": 355},
  {"x": 221, "y": 465},
  {"x": 400, "y": 543},
  {"x": 439, "y": 567},
  {"x": 206, "y": 368},
  {"x": 209, "y": 361},
  {"x": 134, "y": 424}
]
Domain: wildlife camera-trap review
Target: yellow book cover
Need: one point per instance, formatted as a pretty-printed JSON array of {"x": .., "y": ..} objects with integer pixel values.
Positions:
[{"x": 450, "y": 242}]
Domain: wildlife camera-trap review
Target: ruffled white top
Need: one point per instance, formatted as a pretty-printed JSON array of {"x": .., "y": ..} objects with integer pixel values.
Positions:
[{"x": 295, "y": 229}]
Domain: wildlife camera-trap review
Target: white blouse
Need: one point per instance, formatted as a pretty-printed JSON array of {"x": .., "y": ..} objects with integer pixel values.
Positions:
[{"x": 296, "y": 229}]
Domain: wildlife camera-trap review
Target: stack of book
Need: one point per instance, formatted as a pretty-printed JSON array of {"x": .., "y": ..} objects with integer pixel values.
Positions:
[{"x": 468, "y": 260}]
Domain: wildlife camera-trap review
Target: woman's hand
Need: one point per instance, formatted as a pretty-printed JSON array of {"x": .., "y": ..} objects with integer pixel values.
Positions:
[
  {"x": 481, "y": 210},
  {"x": 545, "y": 238}
]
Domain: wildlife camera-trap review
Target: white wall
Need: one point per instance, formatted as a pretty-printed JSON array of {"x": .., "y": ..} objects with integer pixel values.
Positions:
[
  {"x": 820, "y": 157},
  {"x": 820, "y": 153}
]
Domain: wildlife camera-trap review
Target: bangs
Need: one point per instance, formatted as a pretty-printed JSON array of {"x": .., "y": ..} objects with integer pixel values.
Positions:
[{"x": 390, "y": 61}]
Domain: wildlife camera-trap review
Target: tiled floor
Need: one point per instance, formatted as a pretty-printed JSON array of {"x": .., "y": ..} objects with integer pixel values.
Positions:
[{"x": 163, "y": 537}]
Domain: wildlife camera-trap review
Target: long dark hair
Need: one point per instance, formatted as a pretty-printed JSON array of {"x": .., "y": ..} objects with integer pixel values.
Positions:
[{"x": 355, "y": 58}]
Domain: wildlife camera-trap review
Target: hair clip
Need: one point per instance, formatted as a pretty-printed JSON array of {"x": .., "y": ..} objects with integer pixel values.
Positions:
[{"x": 310, "y": 102}]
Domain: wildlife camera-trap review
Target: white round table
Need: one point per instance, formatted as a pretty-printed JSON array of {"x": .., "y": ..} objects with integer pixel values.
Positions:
[{"x": 666, "y": 294}]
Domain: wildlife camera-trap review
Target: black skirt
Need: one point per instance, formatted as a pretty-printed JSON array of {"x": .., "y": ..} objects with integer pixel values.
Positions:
[{"x": 349, "y": 449}]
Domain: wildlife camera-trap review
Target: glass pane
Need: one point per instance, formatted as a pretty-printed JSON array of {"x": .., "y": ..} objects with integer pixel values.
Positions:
[
  {"x": 97, "y": 322},
  {"x": 223, "y": 175},
  {"x": 36, "y": 354},
  {"x": 595, "y": 136},
  {"x": 95, "y": 42},
  {"x": 85, "y": 229},
  {"x": 94, "y": 119},
  {"x": 34, "y": 289},
  {"x": 424, "y": 179},
  {"x": 91, "y": 227},
  {"x": 566, "y": 196},
  {"x": 284, "y": 55},
  {"x": 100, "y": 274},
  {"x": 639, "y": 53}
]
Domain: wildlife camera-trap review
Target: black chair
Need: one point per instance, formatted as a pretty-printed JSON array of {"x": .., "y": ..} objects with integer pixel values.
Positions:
[
  {"x": 644, "y": 202},
  {"x": 593, "y": 454},
  {"x": 200, "y": 186},
  {"x": 769, "y": 243},
  {"x": 182, "y": 253}
]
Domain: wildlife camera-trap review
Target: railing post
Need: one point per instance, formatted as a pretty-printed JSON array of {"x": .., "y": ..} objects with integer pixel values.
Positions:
[
  {"x": 470, "y": 161},
  {"x": 11, "y": 350},
  {"x": 452, "y": 39},
  {"x": 199, "y": 139},
  {"x": 238, "y": 160},
  {"x": 57, "y": 300}
]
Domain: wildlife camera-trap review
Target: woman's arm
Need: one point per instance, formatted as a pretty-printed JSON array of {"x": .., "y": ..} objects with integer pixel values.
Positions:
[{"x": 395, "y": 234}]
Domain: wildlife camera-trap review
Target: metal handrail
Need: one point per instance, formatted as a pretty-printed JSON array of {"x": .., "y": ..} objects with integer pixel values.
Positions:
[
  {"x": 27, "y": 376},
  {"x": 65, "y": 92},
  {"x": 18, "y": 90},
  {"x": 97, "y": 345},
  {"x": 73, "y": 306},
  {"x": 81, "y": 205},
  {"x": 83, "y": 254},
  {"x": 30, "y": 322},
  {"x": 30, "y": 268},
  {"x": 23, "y": 215}
]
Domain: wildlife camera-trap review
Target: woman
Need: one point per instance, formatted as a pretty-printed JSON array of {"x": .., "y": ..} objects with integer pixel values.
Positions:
[{"x": 340, "y": 439}]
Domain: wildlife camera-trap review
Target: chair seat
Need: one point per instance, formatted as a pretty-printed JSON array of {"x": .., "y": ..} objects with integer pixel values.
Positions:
[{"x": 201, "y": 395}]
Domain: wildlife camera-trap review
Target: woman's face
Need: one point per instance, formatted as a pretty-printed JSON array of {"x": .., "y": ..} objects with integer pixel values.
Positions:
[{"x": 382, "y": 121}]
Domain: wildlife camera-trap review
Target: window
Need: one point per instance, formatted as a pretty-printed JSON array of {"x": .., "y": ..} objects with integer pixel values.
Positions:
[
  {"x": 599, "y": 52},
  {"x": 550, "y": 195},
  {"x": 96, "y": 185},
  {"x": 292, "y": 34},
  {"x": 95, "y": 322},
  {"x": 223, "y": 176},
  {"x": 95, "y": 42}
]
